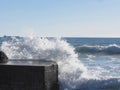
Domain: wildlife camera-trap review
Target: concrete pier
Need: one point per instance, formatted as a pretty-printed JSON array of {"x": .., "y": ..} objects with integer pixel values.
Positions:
[{"x": 29, "y": 75}]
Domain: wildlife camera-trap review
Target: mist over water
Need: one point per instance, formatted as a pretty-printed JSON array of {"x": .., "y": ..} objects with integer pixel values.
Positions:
[{"x": 76, "y": 72}]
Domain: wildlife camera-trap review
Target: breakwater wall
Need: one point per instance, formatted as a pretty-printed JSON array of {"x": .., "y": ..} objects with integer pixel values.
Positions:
[{"x": 29, "y": 75}]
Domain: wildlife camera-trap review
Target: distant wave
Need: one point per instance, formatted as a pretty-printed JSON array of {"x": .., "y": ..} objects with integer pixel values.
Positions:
[{"x": 108, "y": 49}]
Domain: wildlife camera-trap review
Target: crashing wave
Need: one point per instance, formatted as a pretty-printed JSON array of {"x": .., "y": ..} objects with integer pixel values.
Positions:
[
  {"x": 71, "y": 70},
  {"x": 73, "y": 75}
]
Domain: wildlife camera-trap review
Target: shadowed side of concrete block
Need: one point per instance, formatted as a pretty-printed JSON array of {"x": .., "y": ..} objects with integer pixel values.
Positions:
[
  {"x": 51, "y": 76},
  {"x": 29, "y": 75}
]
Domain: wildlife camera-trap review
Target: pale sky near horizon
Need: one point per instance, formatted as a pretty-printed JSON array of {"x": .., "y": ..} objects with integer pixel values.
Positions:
[{"x": 66, "y": 18}]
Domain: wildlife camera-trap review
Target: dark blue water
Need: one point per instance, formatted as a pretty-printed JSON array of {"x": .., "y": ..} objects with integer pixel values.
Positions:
[
  {"x": 93, "y": 41},
  {"x": 102, "y": 58},
  {"x": 96, "y": 45}
]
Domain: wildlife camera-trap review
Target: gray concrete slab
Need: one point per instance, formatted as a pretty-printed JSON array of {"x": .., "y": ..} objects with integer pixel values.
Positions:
[{"x": 29, "y": 75}]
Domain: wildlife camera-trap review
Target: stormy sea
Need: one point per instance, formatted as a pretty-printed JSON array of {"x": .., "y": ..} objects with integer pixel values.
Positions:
[{"x": 84, "y": 63}]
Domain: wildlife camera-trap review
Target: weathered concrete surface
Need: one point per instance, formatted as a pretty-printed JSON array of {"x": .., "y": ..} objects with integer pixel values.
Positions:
[{"x": 29, "y": 75}]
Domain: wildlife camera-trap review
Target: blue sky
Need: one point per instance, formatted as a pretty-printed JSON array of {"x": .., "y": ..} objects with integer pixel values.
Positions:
[{"x": 72, "y": 18}]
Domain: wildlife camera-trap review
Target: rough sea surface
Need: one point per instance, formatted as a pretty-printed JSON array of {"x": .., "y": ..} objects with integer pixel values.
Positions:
[{"x": 84, "y": 63}]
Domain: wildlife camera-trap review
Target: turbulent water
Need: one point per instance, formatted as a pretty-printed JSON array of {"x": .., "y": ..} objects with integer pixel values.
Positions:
[{"x": 84, "y": 63}]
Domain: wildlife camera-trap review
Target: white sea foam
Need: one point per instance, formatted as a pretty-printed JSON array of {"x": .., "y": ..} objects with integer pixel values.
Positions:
[{"x": 71, "y": 70}]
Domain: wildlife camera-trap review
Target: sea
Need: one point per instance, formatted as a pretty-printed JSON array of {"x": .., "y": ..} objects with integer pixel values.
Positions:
[{"x": 84, "y": 63}]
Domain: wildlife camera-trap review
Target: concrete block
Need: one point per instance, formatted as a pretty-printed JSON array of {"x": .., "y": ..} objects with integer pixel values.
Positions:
[{"x": 29, "y": 75}]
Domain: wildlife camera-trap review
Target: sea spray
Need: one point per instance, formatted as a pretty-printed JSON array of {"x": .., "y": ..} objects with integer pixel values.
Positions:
[{"x": 71, "y": 70}]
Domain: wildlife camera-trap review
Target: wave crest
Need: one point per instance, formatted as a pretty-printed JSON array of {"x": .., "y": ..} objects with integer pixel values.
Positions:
[{"x": 109, "y": 49}]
